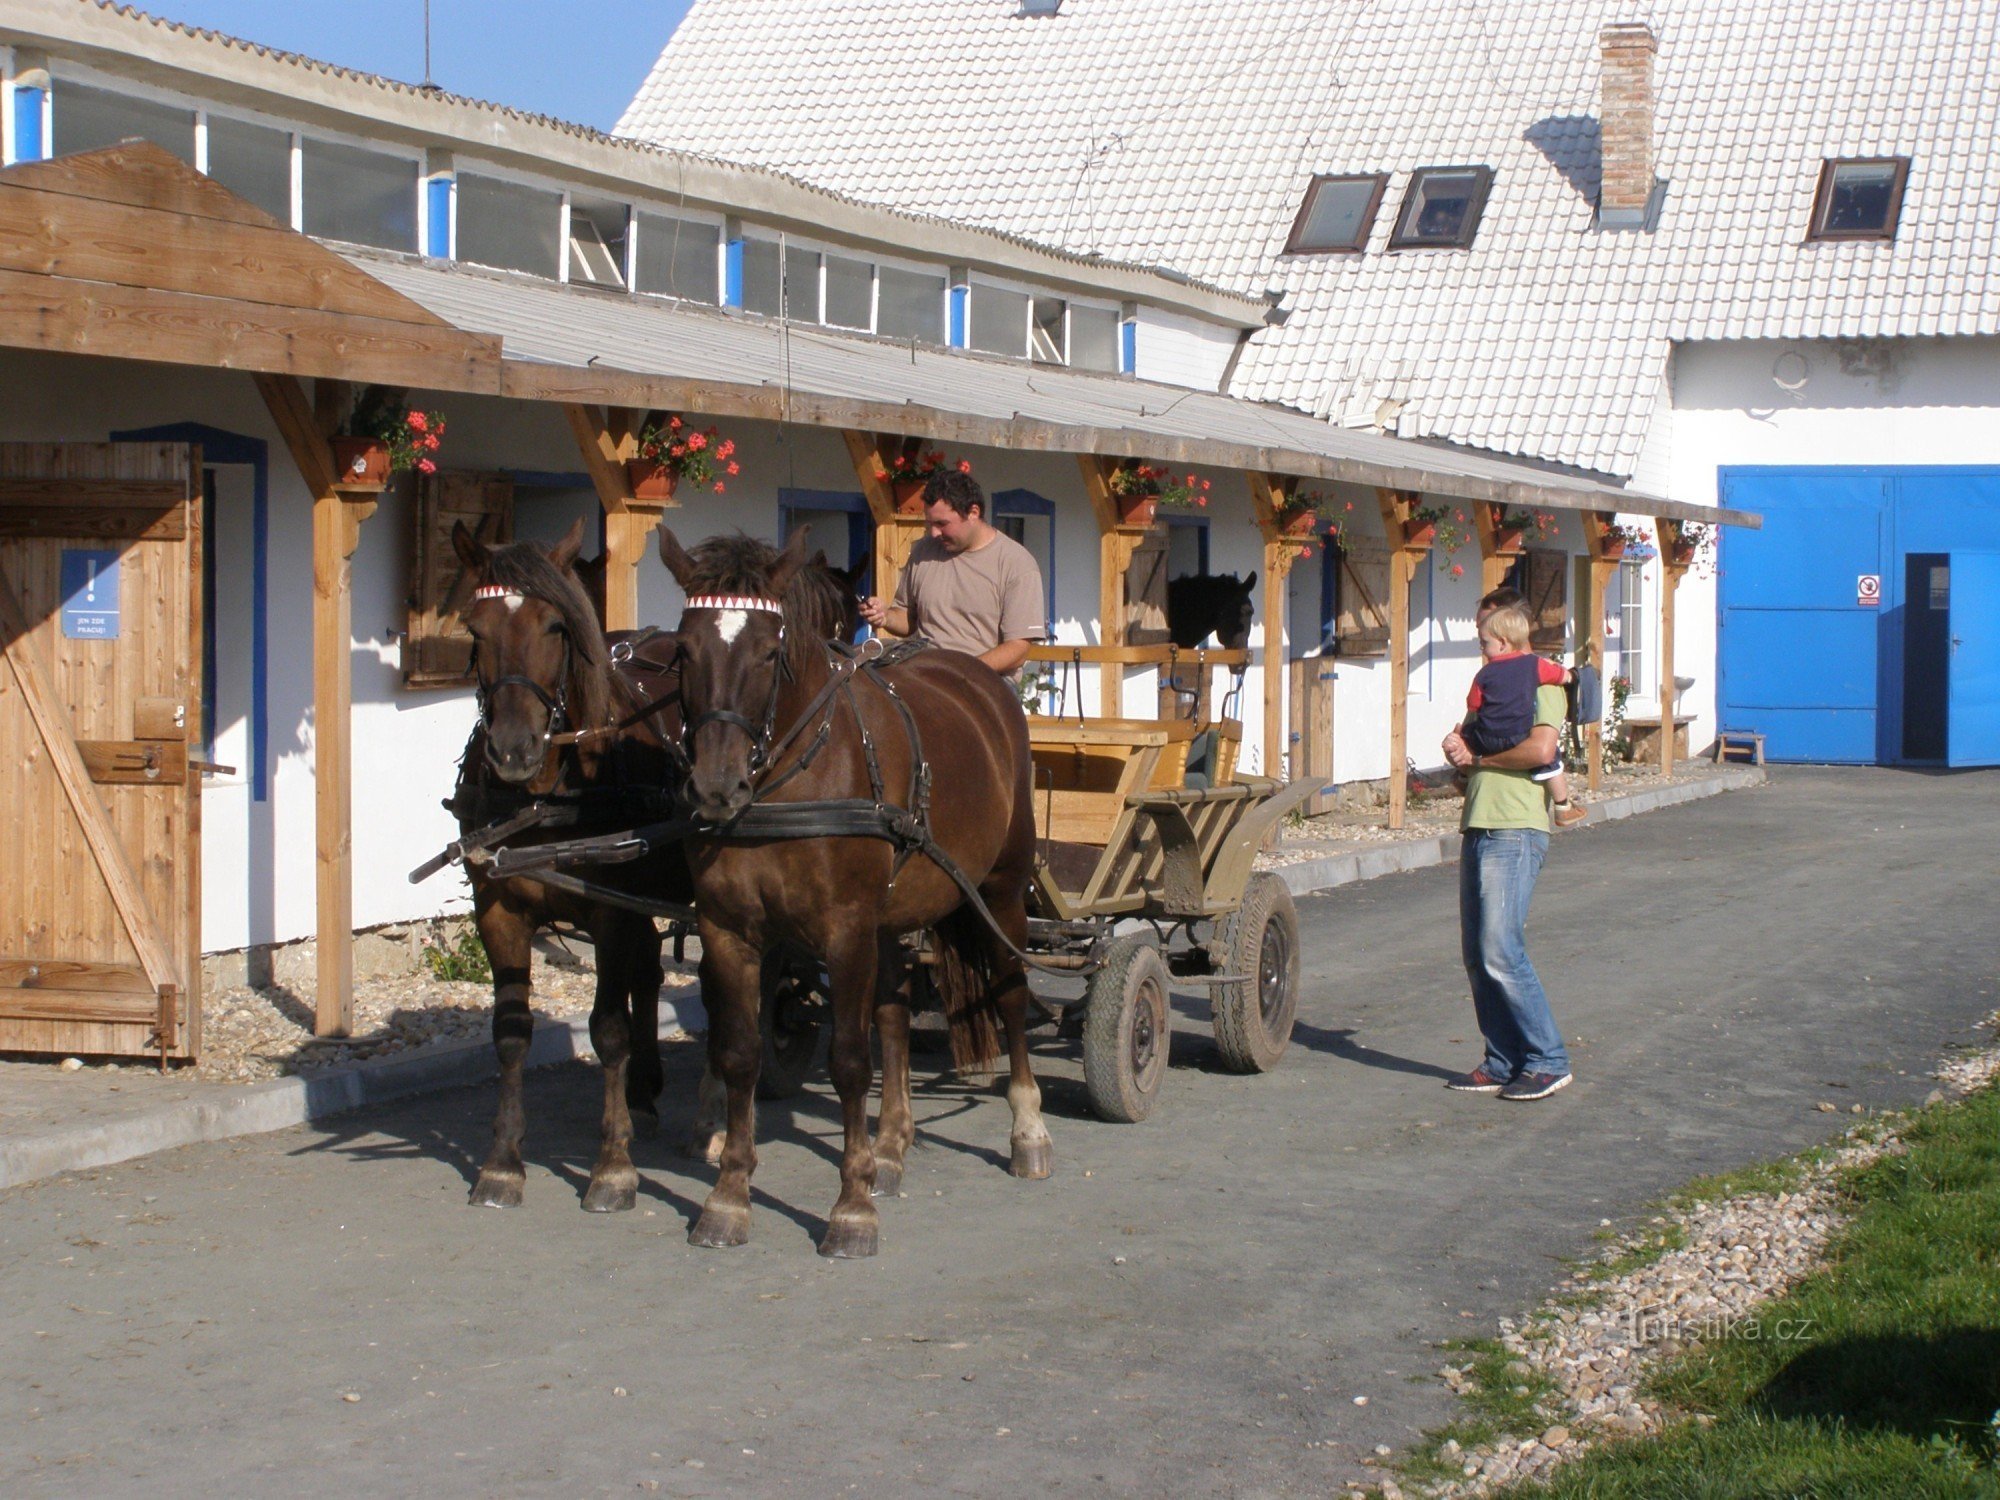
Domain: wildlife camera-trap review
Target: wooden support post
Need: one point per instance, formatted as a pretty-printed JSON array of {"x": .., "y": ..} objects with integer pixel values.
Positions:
[
  {"x": 1397, "y": 506},
  {"x": 1596, "y": 524},
  {"x": 607, "y": 439},
  {"x": 1670, "y": 583},
  {"x": 336, "y": 532},
  {"x": 1270, "y": 494},
  {"x": 1116, "y": 544},
  {"x": 874, "y": 457}
]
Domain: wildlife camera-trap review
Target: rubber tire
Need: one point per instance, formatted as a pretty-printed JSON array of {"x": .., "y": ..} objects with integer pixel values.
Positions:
[
  {"x": 1128, "y": 1010},
  {"x": 1253, "y": 1019},
  {"x": 788, "y": 1058}
]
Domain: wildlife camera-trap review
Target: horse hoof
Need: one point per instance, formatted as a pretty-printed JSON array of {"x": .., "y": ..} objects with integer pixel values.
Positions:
[
  {"x": 645, "y": 1120},
  {"x": 496, "y": 1190},
  {"x": 1034, "y": 1160},
  {"x": 849, "y": 1240},
  {"x": 888, "y": 1177},
  {"x": 610, "y": 1195},
  {"x": 718, "y": 1230}
]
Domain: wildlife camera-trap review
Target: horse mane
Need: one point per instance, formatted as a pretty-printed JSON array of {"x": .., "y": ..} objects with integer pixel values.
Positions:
[
  {"x": 817, "y": 606},
  {"x": 527, "y": 567}
]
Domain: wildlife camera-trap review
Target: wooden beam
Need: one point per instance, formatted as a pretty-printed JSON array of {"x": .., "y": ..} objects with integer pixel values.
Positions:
[
  {"x": 1116, "y": 545},
  {"x": 607, "y": 440},
  {"x": 1270, "y": 494},
  {"x": 336, "y": 524},
  {"x": 1671, "y": 573},
  {"x": 894, "y": 535},
  {"x": 1396, "y": 506},
  {"x": 1595, "y": 524}
]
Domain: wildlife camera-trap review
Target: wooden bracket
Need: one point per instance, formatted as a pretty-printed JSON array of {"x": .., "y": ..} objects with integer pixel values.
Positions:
[
  {"x": 874, "y": 456},
  {"x": 1117, "y": 544},
  {"x": 608, "y": 439}
]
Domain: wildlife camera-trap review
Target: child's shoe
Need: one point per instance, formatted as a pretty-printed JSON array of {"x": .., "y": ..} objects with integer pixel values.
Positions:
[{"x": 1569, "y": 814}]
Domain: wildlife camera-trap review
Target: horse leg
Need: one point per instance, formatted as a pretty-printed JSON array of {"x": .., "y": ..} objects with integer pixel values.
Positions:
[
  {"x": 711, "y": 1116},
  {"x": 853, "y": 1227},
  {"x": 645, "y": 1077},
  {"x": 506, "y": 934},
  {"x": 895, "y": 1128},
  {"x": 614, "y": 1182},
  {"x": 731, "y": 972},
  {"x": 1033, "y": 1152}
]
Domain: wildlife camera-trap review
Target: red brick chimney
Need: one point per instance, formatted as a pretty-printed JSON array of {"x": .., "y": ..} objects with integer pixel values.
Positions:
[{"x": 1625, "y": 111}]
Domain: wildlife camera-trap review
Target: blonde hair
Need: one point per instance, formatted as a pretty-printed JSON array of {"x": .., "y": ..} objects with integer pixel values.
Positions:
[{"x": 1509, "y": 625}]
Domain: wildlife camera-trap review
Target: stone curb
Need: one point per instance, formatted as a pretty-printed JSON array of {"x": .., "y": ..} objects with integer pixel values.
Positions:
[
  {"x": 301, "y": 1100},
  {"x": 284, "y": 1102},
  {"x": 1310, "y": 876}
]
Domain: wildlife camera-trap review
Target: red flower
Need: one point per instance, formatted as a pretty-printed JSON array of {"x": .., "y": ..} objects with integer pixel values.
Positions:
[
  {"x": 902, "y": 460},
  {"x": 431, "y": 442},
  {"x": 718, "y": 486},
  {"x": 965, "y": 466},
  {"x": 733, "y": 469},
  {"x": 728, "y": 448},
  {"x": 417, "y": 421},
  {"x": 1458, "y": 570},
  {"x": 426, "y": 466},
  {"x": 673, "y": 424},
  {"x": 697, "y": 441},
  {"x": 1204, "y": 486}
]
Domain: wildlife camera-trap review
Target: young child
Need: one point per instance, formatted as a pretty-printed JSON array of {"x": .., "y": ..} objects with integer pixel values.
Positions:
[{"x": 1501, "y": 705}]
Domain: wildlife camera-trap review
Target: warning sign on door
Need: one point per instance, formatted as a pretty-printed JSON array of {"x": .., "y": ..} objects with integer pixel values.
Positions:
[
  {"x": 90, "y": 594},
  {"x": 1868, "y": 589}
]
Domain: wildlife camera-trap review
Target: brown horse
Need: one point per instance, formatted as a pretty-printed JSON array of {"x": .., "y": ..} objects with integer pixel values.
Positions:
[
  {"x": 757, "y": 683},
  {"x": 543, "y": 669}
]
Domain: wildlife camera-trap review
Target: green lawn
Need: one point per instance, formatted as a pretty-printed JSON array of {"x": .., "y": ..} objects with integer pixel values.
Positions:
[{"x": 1892, "y": 1389}]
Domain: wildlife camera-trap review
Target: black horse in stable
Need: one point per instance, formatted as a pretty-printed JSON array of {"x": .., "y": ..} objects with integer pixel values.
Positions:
[{"x": 1201, "y": 604}]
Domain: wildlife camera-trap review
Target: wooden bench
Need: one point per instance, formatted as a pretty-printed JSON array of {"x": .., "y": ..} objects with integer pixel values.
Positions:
[
  {"x": 1087, "y": 770},
  {"x": 1747, "y": 742}
]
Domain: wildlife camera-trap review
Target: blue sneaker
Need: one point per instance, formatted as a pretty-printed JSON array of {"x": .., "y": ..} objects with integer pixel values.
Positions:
[
  {"x": 1478, "y": 1081},
  {"x": 1534, "y": 1086}
]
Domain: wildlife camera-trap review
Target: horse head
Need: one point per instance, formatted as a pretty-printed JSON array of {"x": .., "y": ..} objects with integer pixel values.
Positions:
[
  {"x": 737, "y": 650},
  {"x": 537, "y": 650},
  {"x": 1201, "y": 603}
]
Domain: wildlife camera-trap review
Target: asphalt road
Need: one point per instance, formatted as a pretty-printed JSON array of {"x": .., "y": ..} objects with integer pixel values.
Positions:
[{"x": 1189, "y": 1307}]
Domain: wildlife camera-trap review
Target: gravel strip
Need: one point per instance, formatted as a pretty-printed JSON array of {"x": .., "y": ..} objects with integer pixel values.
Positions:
[{"x": 1733, "y": 1257}]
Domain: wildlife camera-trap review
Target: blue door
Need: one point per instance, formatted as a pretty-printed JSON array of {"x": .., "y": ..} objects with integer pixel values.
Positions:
[
  {"x": 1798, "y": 650},
  {"x": 1974, "y": 716}
]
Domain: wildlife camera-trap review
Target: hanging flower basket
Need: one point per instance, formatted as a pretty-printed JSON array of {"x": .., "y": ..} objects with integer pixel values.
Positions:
[
  {"x": 1681, "y": 554},
  {"x": 909, "y": 495},
  {"x": 1138, "y": 510},
  {"x": 651, "y": 479},
  {"x": 1508, "y": 540},
  {"x": 360, "y": 463},
  {"x": 1304, "y": 521},
  {"x": 1418, "y": 532},
  {"x": 1614, "y": 548}
]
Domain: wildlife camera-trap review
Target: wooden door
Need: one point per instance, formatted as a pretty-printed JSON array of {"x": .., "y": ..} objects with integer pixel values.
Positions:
[
  {"x": 100, "y": 721},
  {"x": 437, "y": 648}
]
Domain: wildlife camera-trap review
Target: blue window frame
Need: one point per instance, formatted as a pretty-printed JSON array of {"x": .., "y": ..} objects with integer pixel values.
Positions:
[{"x": 793, "y": 504}]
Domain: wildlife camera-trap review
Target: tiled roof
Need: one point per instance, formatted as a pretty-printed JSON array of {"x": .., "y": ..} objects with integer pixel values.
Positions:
[{"x": 1184, "y": 132}]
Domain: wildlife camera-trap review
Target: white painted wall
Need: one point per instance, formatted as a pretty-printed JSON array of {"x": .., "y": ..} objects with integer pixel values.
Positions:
[{"x": 1185, "y": 351}]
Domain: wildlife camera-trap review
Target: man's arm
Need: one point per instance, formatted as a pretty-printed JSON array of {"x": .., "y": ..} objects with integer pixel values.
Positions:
[
  {"x": 1536, "y": 751},
  {"x": 891, "y": 619},
  {"x": 1006, "y": 656}
]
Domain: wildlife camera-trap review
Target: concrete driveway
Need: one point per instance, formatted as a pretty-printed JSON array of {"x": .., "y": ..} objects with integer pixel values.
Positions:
[{"x": 1189, "y": 1307}]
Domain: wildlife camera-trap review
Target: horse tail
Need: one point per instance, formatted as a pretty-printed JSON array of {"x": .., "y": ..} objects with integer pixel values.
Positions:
[{"x": 963, "y": 973}]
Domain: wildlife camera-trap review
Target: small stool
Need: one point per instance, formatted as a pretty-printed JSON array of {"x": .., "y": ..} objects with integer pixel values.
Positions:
[{"x": 1730, "y": 742}]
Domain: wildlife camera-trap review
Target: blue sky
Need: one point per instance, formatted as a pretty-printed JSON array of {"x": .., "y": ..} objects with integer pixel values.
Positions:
[{"x": 580, "y": 62}]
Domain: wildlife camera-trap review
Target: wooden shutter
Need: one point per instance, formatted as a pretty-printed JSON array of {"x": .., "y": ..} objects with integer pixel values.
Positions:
[
  {"x": 1548, "y": 600},
  {"x": 1361, "y": 611},
  {"x": 437, "y": 648},
  {"x": 1146, "y": 592}
]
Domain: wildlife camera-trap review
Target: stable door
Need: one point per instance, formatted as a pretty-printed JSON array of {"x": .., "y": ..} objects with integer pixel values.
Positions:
[{"x": 1972, "y": 585}]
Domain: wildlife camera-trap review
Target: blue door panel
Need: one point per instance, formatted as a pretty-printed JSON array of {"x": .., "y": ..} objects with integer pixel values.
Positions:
[
  {"x": 1818, "y": 736},
  {"x": 1973, "y": 719},
  {"x": 1802, "y": 658}
]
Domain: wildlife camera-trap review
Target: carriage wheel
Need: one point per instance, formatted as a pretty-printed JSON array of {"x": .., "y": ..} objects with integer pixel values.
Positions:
[
  {"x": 1126, "y": 1031},
  {"x": 1253, "y": 1017},
  {"x": 794, "y": 1002}
]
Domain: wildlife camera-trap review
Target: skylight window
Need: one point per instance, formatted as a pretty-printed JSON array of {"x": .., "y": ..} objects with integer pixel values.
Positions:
[
  {"x": 1442, "y": 208},
  {"x": 1336, "y": 216},
  {"x": 1859, "y": 198}
]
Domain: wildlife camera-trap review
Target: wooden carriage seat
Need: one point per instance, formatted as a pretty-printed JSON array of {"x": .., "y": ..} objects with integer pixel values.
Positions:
[{"x": 1086, "y": 770}]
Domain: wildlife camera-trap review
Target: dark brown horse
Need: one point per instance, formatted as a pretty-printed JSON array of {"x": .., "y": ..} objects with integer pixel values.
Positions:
[
  {"x": 758, "y": 683},
  {"x": 543, "y": 670}
]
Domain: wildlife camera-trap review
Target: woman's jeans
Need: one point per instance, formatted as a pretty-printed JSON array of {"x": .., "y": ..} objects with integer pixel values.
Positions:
[{"x": 1496, "y": 880}]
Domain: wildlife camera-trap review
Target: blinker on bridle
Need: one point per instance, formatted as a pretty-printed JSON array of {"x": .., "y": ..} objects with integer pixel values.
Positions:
[{"x": 760, "y": 735}]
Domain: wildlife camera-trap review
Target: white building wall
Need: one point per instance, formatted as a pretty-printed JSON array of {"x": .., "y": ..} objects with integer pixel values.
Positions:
[
  {"x": 1178, "y": 350},
  {"x": 1815, "y": 402}
]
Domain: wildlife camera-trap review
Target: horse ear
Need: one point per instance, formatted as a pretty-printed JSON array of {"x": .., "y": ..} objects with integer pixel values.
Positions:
[
  {"x": 1250, "y": 583},
  {"x": 471, "y": 551},
  {"x": 563, "y": 553},
  {"x": 675, "y": 556},
  {"x": 790, "y": 561}
]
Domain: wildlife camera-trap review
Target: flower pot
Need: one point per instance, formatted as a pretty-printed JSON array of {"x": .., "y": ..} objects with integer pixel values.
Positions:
[
  {"x": 909, "y": 495},
  {"x": 1419, "y": 533},
  {"x": 360, "y": 463},
  {"x": 1300, "y": 523},
  {"x": 1138, "y": 510},
  {"x": 650, "y": 479},
  {"x": 1509, "y": 539},
  {"x": 1681, "y": 553},
  {"x": 1613, "y": 548}
]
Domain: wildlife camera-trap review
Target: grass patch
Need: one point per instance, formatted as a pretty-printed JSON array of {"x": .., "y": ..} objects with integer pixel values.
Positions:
[
  {"x": 462, "y": 958},
  {"x": 1879, "y": 1375},
  {"x": 1505, "y": 1396}
]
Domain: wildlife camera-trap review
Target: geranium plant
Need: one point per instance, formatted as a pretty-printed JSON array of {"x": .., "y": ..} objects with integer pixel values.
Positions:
[
  {"x": 408, "y": 435},
  {"x": 1540, "y": 522},
  {"x": 1137, "y": 485},
  {"x": 1696, "y": 546},
  {"x": 698, "y": 455},
  {"x": 1447, "y": 529},
  {"x": 1620, "y": 540}
]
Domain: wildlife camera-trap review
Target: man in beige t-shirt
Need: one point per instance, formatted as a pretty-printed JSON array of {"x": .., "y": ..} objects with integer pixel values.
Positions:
[{"x": 966, "y": 586}]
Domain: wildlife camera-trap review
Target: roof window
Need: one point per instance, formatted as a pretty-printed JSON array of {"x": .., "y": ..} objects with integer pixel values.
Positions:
[
  {"x": 1859, "y": 198},
  {"x": 1337, "y": 215},
  {"x": 1442, "y": 208}
]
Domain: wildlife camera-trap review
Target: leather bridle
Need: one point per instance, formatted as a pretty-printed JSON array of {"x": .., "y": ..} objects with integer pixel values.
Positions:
[{"x": 557, "y": 703}]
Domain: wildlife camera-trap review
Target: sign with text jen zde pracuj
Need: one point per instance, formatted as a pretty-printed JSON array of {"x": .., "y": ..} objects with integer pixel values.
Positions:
[{"x": 89, "y": 594}]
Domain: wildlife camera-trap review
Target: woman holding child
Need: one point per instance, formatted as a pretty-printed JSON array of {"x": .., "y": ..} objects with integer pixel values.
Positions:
[{"x": 1508, "y": 748}]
